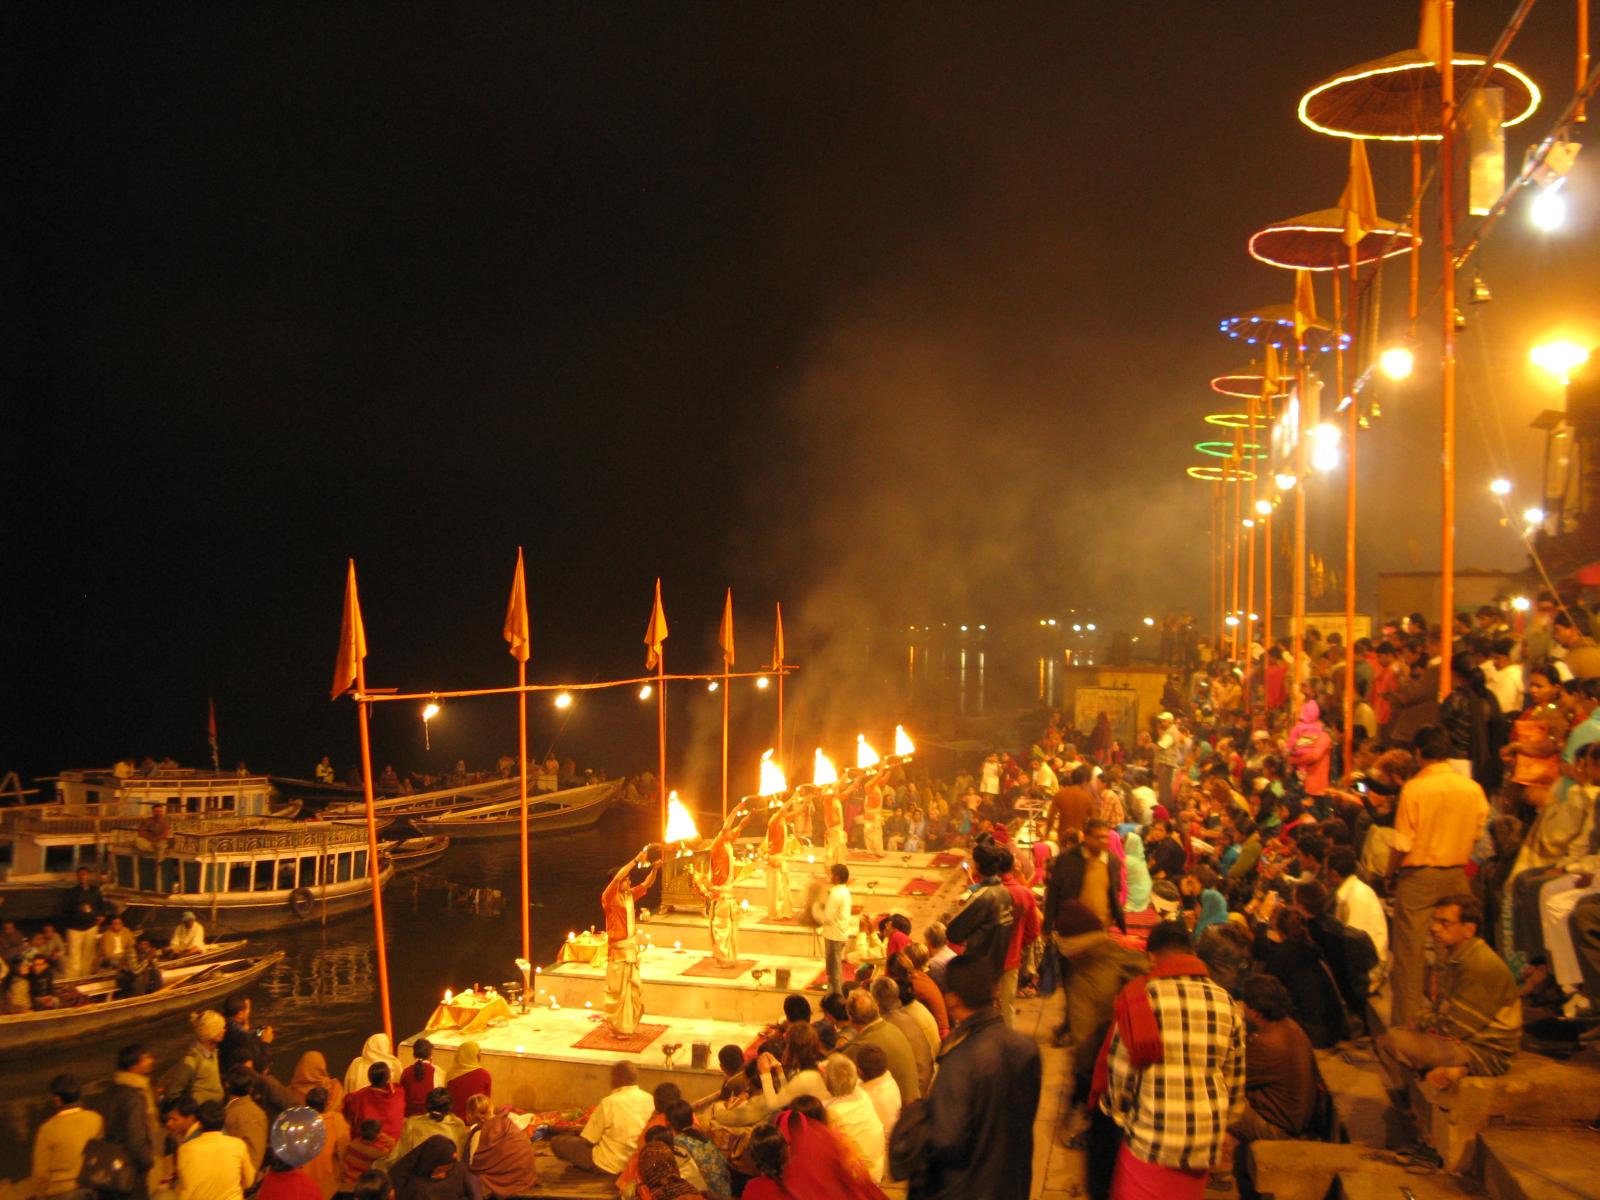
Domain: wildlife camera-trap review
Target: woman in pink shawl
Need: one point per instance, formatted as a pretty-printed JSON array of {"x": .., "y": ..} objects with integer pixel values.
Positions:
[{"x": 1310, "y": 749}]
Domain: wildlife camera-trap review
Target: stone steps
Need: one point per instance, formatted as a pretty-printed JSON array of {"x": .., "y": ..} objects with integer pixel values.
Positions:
[{"x": 1541, "y": 1164}]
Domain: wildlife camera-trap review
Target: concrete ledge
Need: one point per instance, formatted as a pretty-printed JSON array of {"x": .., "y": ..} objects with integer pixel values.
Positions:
[
  {"x": 1536, "y": 1091},
  {"x": 1541, "y": 1164},
  {"x": 1302, "y": 1170}
]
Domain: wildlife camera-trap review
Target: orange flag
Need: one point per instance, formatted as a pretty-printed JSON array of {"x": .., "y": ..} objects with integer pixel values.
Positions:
[
  {"x": 516, "y": 630},
  {"x": 1359, "y": 201},
  {"x": 655, "y": 633},
  {"x": 777, "y": 640},
  {"x": 352, "y": 639},
  {"x": 725, "y": 631},
  {"x": 1305, "y": 303}
]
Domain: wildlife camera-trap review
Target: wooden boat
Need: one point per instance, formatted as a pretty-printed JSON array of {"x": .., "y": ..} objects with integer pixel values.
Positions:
[
  {"x": 410, "y": 854},
  {"x": 574, "y": 808},
  {"x": 426, "y": 804},
  {"x": 23, "y": 1034},
  {"x": 315, "y": 792},
  {"x": 172, "y": 969},
  {"x": 258, "y": 875}
]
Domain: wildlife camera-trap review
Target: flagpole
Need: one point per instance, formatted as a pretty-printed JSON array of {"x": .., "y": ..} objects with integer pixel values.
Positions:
[
  {"x": 777, "y": 667},
  {"x": 522, "y": 768},
  {"x": 661, "y": 733},
  {"x": 1447, "y": 253},
  {"x": 348, "y": 672},
  {"x": 725, "y": 640},
  {"x": 724, "y": 740},
  {"x": 1297, "y": 619},
  {"x": 1352, "y": 425}
]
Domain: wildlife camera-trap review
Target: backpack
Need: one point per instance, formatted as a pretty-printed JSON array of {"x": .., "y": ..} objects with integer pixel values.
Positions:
[{"x": 107, "y": 1167}]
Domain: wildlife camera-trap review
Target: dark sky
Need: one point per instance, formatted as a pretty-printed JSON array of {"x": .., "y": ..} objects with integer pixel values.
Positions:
[{"x": 891, "y": 312}]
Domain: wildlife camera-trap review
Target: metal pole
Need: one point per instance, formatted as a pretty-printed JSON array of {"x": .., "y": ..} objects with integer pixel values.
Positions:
[
  {"x": 1414, "y": 267},
  {"x": 1297, "y": 619},
  {"x": 1583, "y": 57},
  {"x": 724, "y": 739},
  {"x": 373, "y": 871},
  {"x": 1352, "y": 424},
  {"x": 1236, "y": 527},
  {"x": 1250, "y": 573},
  {"x": 661, "y": 732},
  {"x": 522, "y": 767},
  {"x": 1447, "y": 252}
]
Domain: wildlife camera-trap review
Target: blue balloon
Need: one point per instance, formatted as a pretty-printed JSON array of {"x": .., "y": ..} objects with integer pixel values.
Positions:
[{"x": 297, "y": 1136}]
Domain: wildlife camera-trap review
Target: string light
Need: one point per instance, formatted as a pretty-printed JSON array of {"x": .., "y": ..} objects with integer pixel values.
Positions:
[{"x": 1413, "y": 62}]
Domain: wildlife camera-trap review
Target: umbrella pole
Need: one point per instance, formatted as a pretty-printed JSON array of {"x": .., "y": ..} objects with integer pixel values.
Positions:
[
  {"x": 1297, "y": 619},
  {"x": 1349, "y": 515},
  {"x": 1237, "y": 526}
]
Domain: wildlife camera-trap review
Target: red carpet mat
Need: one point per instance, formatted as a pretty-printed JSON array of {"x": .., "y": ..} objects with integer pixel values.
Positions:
[
  {"x": 921, "y": 887},
  {"x": 864, "y": 856},
  {"x": 602, "y": 1037},
  {"x": 948, "y": 858},
  {"x": 710, "y": 968}
]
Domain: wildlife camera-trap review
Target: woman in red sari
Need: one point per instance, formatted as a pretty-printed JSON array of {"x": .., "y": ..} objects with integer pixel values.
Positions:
[{"x": 800, "y": 1159}]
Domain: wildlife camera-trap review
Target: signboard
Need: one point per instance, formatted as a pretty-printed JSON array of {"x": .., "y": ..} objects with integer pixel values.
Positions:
[{"x": 1120, "y": 705}]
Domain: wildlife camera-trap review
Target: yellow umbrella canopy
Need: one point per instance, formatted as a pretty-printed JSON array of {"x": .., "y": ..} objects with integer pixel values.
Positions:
[
  {"x": 1314, "y": 241},
  {"x": 1245, "y": 383},
  {"x": 1273, "y": 325},
  {"x": 1396, "y": 99}
]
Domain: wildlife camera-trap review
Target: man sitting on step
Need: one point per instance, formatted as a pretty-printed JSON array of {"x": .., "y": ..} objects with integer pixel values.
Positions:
[{"x": 1470, "y": 1022}]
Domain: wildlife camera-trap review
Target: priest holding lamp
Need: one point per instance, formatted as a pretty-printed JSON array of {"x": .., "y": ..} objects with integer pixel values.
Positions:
[
  {"x": 624, "y": 999},
  {"x": 717, "y": 887},
  {"x": 780, "y": 903}
]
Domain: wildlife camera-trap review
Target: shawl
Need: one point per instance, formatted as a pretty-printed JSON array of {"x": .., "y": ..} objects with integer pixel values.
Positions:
[
  {"x": 658, "y": 1172},
  {"x": 1134, "y": 1021},
  {"x": 817, "y": 1164},
  {"x": 378, "y": 1049},
  {"x": 413, "y": 1178},
  {"x": 312, "y": 1072},
  {"x": 466, "y": 1061},
  {"x": 1114, "y": 844},
  {"x": 1136, "y": 873},
  {"x": 503, "y": 1158}
]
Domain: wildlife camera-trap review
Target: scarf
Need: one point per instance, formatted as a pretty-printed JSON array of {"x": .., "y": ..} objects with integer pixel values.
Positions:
[
  {"x": 466, "y": 1061},
  {"x": 1134, "y": 1021},
  {"x": 312, "y": 1072},
  {"x": 1136, "y": 872},
  {"x": 377, "y": 1049},
  {"x": 1213, "y": 911}
]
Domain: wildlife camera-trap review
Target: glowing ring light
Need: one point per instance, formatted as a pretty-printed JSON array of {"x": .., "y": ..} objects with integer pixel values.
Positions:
[
  {"x": 1232, "y": 420},
  {"x": 1382, "y": 99},
  {"x": 1220, "y": 474},
  {"x": 1315, "y": 242},
  {"x": 1245, "y": 383},
  {"x": 1225, "y": 449},
  {"x": 1274, "y": 326}
]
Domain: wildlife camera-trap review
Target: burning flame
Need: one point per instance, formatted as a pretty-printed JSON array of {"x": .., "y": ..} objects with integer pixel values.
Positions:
[
  {"x": 866, "y": 756},
  {"x": 822, "y": 772},
  {"x": 680, "y": 823},
  {"x": 904, "y": 747},
  {"x": 448, "y": 995},
  {"x": 773, "y": 782}
]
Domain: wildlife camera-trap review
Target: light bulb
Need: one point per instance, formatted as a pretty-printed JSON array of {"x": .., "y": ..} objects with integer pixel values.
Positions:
[
  {"x": 1397, "y": 362},
  {"x": 563, "y": 700},
  {"x": 1501, "y": 487},
  {"x": 1548, "y": 212}
]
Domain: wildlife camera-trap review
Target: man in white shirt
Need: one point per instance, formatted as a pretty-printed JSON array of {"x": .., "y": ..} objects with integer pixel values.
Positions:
[
  {"x": 188, "y": 938},
  {"x": 852, "y": 1114},
  {"x": 212, "y": 1165},
  {"x": 835, "y": 926},
  {"x": 612, "y": 1134},
  {"x": 1044, "y": 778},
  {"x": 872, "y": 1064},
  {"x": 1358, "y": 906},
  {"x": 1504, "y": 677}
]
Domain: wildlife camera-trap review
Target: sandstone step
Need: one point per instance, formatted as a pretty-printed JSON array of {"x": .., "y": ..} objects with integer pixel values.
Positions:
[{"x": 1541, "y": 1164}]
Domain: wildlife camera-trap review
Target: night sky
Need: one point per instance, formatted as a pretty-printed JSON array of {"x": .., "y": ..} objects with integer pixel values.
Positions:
[{"x": 893, "y": 313}]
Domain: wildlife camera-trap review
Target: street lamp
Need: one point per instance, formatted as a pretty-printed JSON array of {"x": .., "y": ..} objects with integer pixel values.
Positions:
[
  {"x": 563, "y": 700},
  {"x": 1397, "y": 362},
  {"x": 1548, "y": 212},
  {"x": 1264, "y": 507},
  {"x": 1559, "y": 358}
]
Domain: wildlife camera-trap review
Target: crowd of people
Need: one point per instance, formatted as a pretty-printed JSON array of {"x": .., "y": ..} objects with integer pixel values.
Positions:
[{"x": 1215, "y": 902}]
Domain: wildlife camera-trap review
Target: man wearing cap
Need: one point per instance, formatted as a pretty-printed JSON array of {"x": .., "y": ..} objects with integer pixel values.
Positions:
[
  {"x": 188, "y": 938},
  {"x": 198, "y": 1073}
]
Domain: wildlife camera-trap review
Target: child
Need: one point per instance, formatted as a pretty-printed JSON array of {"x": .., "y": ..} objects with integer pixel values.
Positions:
[{"x": 369, "y": 1145}]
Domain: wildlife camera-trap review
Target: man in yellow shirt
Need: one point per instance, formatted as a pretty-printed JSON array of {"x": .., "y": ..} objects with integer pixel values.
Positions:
[
  {"x": 58, "y": 1146},
  {"x": 1439, "y": 818}
]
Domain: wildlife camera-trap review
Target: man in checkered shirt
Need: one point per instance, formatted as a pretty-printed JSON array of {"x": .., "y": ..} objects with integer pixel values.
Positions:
[{"x": 1175, "y": 1071}]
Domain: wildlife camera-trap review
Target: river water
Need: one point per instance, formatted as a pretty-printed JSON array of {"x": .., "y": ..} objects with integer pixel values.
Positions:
[{"x": 451, "y": 925}]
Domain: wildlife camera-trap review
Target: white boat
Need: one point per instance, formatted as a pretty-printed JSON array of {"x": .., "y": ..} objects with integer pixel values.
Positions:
[
  {"x": 425, "y": 804},
  {"x": 263, "y": 874},
  {"x": 573, "y": 808}
]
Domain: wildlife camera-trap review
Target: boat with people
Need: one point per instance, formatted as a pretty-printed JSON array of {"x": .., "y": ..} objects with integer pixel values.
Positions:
[
  {"x": 192, "y": 986},
  {"x": 103, "y": 983},
  {"x": 571, "y": 808},
  {"x": 425, "y": 804},
  {"x": 245, "y": 875},
  {"x": 412, "y": 854}
]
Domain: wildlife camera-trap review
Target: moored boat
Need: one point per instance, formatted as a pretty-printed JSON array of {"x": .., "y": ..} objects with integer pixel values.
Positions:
[
  {"x": 426, "y": 804},
  {"x": 22, "y": 1034},
  {"x": 263, "y": 874},
  {"x": 574, "y": 808},
  {"x": 410, "y": 854}
]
